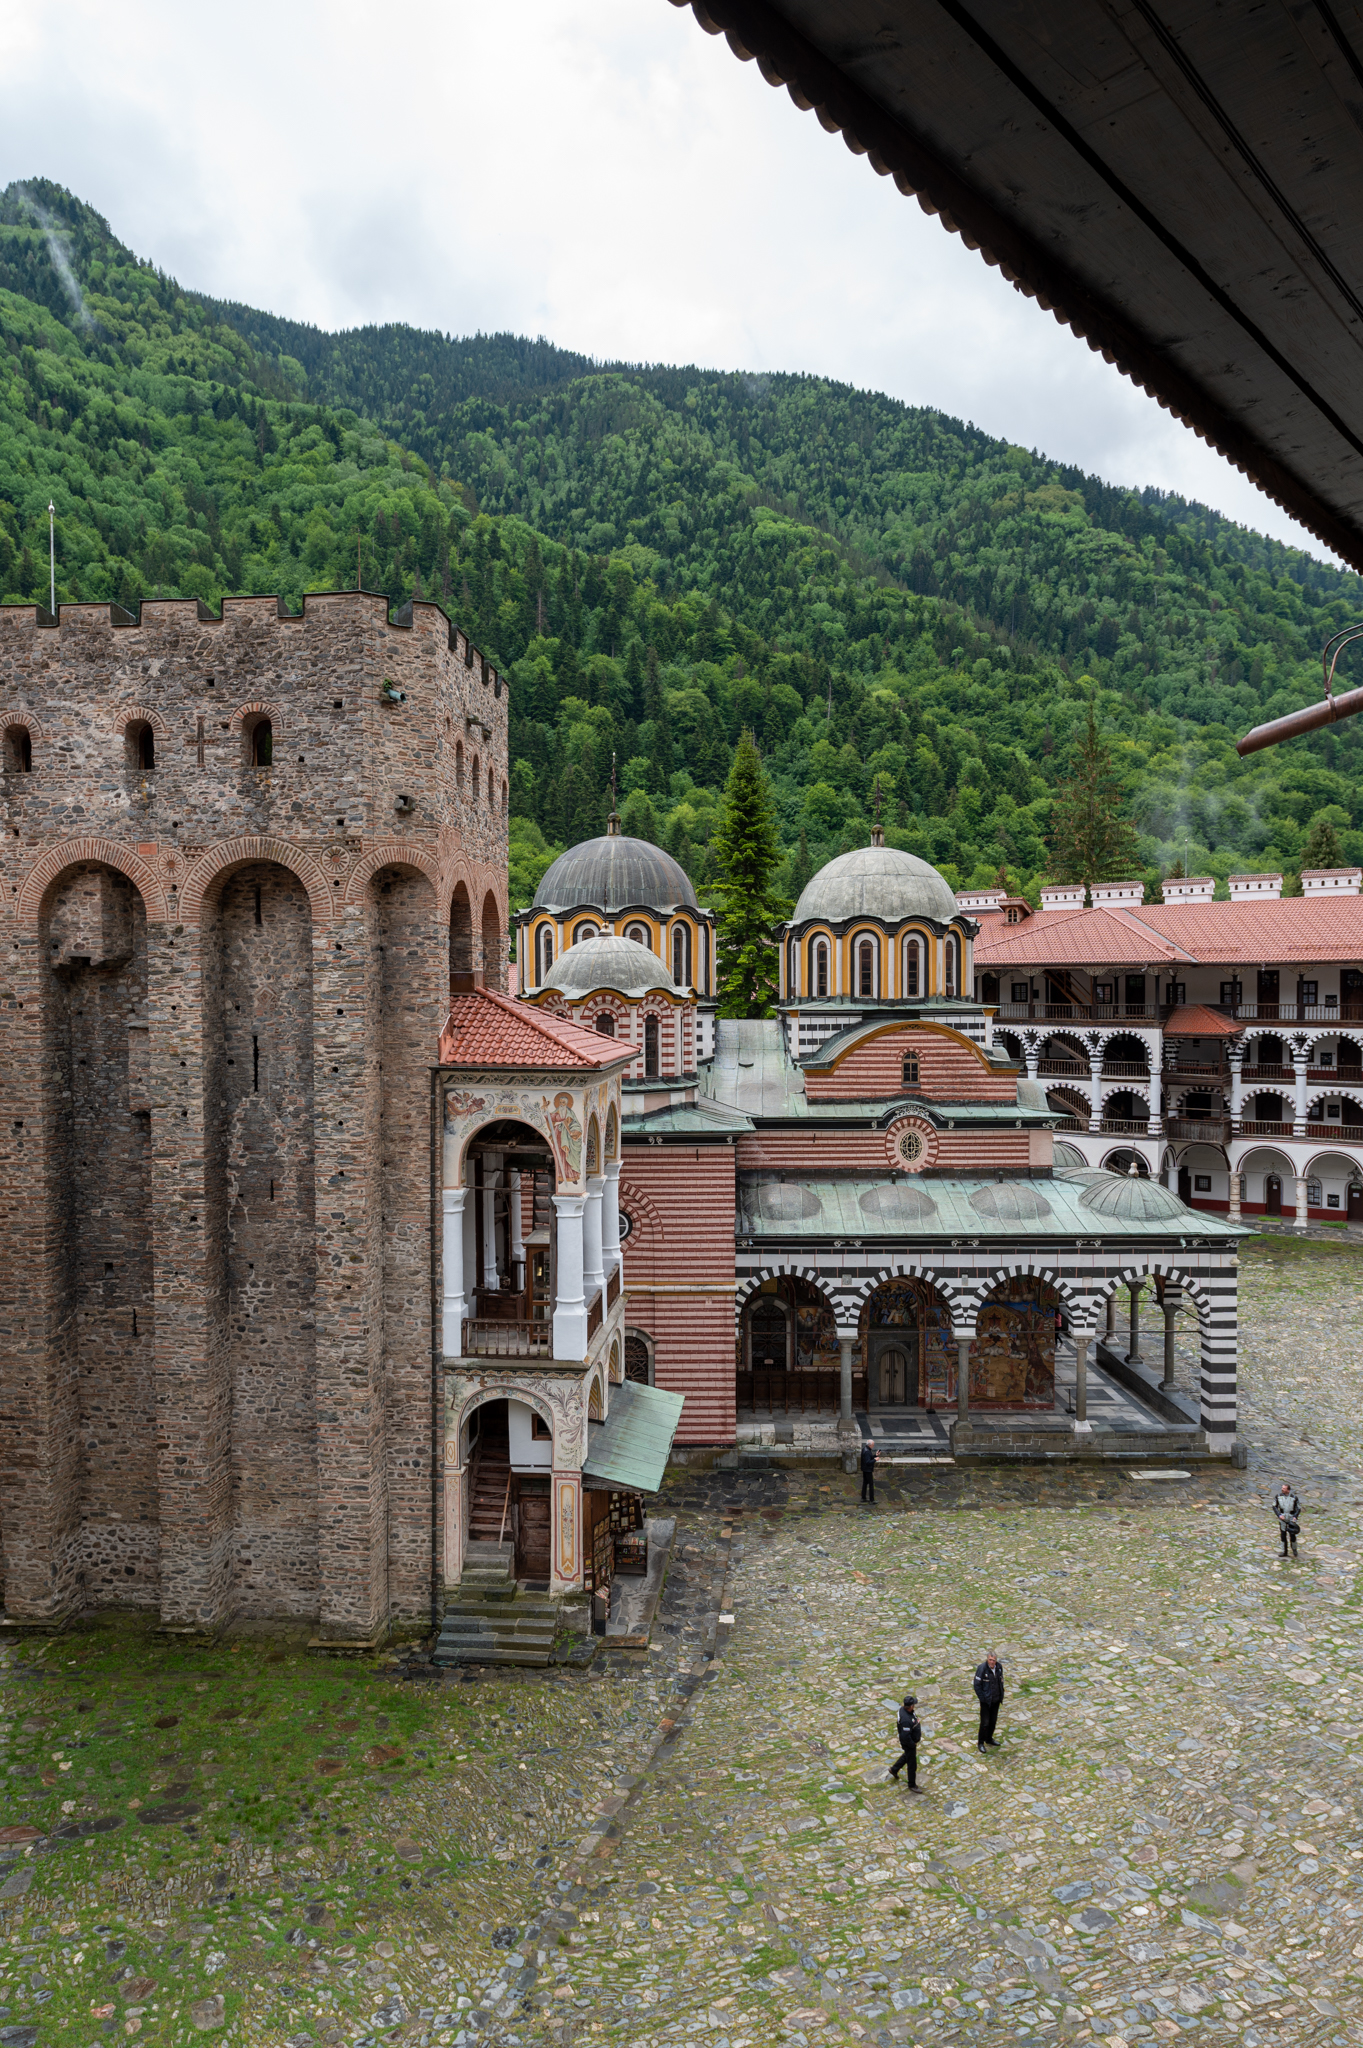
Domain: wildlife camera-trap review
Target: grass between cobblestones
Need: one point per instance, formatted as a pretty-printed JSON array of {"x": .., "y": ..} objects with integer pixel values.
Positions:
[{"x": 691, "y": 1846}]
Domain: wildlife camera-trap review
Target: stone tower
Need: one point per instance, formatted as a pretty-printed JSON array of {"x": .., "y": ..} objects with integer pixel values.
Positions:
[{"x": 244, "y": 861}]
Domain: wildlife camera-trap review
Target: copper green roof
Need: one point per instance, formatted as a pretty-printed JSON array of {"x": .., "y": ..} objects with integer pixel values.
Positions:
[
  {"x": 923, "y": 1208},
  {"x": 630, "y": 1448}
]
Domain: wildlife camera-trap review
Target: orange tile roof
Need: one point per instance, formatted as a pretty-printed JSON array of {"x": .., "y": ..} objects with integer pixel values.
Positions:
[
  {"x": 1075, "y": 938},
  {"x": 1195, "y": 1020},
  {"x": 489, "y": 1030},
  {"x": 1292, "y": 929}
]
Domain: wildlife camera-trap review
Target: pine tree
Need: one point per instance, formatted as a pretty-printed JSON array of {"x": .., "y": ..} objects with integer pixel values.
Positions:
[
  {"x": 1089, "y": 839},
  {"x": 655, "y": 711},
  {"x": 1322, "y": 848},
  {"x": 745, "y": 851}
]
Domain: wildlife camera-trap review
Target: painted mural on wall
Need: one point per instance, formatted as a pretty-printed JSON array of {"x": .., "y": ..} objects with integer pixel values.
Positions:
[
  {"x": 556, "y": 1118},
  {"x": 1012, "y": 1360},
  {"x": 816, "y": 1337}
]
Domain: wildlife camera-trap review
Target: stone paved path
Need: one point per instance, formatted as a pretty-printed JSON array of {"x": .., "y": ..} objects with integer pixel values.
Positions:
[{"x": 701, "y": 1844}]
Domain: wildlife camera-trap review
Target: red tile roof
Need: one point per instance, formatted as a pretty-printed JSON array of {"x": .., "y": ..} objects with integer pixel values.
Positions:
[
  {"x": 1292, "y": 929},
  {"x": 1195, "y": 1020},
  {"x": 489, "y": 1030}
]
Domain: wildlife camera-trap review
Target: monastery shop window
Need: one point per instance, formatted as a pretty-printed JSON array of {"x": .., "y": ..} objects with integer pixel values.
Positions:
[
  {"x": 866, "y": 967},
  {"x": 953, "y": 966},
  {"x": 913, "y": 968},
  {"x": 544, "y": 945},
  {"x": 818, "y": 967},
  {"x": 650, "y": 1048},
  {"x": 1313, "y": 1195},
  {"x": 681, "y": 956}
]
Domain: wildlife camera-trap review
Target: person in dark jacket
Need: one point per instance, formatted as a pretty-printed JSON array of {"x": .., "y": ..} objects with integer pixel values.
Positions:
[
  {"x": 869, "y": 1454},
  {"x": 910, "y": 1735},
  {"x": 989, "y": 1693},
  {"x": 1287, "y": 1507}
]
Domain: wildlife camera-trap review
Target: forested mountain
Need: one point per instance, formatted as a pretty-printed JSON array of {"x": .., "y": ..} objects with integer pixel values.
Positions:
[{"x": 660, "y": 557}]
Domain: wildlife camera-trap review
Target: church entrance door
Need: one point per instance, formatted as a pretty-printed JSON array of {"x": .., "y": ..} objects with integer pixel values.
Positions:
[{"x": 894, "y": 1378}]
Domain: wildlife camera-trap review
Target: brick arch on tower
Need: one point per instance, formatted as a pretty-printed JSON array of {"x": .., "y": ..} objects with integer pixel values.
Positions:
[
  {"x": 74, "y": 853},
  {"x": 141, "y": 714},
  {"x": 218, "y": 861},
  {"x": 19, "y": 715},
  {"x": 392, "y": 853},
  {"x": 641, "y": 1206},
  {"x": 258, "y": 708}
]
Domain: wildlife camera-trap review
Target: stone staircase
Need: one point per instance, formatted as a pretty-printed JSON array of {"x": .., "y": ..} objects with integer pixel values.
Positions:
[{"x": 488, "y": 1620}]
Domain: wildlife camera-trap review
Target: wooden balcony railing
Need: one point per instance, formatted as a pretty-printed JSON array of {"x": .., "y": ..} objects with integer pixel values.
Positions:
[
  {"x": 1251, "y": 1127},
  {"x": 613, "y": 1290},
  {"x": 493, "y": 1337},
  {"x": 595, "y": 1313},
  {"x": 1100, "y": 1013},
  {"x": 1127, "y": 1126},
  {"x": 1198, "y": 1130},
  {"x": 1063, "y": 1067},
  {"x": 1072, "y": 1123},
  {"x": 1125, "y": 1070}
]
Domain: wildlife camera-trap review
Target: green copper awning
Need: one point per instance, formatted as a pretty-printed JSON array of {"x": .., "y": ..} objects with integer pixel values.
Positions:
[{"x": 630, "y": 1447}]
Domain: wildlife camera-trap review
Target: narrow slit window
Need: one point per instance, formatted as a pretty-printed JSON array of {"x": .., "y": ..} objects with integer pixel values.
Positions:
[
  {"x": 650, "y": 1048},
  {"x": 913, "y": 973},
  {"x": 866, "y": 968},
  {"x": 818, "y": 968},
  {"x": 262, "y": 744}
]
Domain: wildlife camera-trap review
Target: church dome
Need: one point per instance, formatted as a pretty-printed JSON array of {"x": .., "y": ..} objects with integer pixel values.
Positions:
[
  {"x": 615, "y": 874},
  {"x": 620, "y": 964},
  {"x": 1130, "y": 1195},
  {"x": 876, "y": 881}
]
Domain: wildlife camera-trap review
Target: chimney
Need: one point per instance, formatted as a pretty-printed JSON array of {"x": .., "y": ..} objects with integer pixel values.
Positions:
[
  {"x": 1255, "y": 888},
  {"x": 1331, "y": 881},
  {"x": 1063, "y": 896},
  {"x": 1106, "y": 894},
  {"x": 979, "y": 899},
  {"x": 1190, "y": 889}
]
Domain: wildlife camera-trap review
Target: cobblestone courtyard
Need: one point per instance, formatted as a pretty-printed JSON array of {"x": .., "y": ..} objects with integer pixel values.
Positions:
[{"x": 701, "y": 1843}]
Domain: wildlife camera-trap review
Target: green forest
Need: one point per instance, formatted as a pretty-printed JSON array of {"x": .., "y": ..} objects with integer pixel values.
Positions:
[{"x": 905, "y": 612}]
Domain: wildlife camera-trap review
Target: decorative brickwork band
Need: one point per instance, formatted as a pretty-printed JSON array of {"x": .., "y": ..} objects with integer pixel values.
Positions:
[
  {"x": 71, "y": 853},
  {"x": 218, "y": 861}
]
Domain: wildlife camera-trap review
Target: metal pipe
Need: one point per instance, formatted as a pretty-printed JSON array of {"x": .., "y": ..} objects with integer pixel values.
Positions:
[{"x": 1309, "y": 719}]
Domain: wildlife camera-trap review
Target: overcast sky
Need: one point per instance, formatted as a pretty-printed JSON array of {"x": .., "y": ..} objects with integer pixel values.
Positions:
[{"x": 598, "y": 171}]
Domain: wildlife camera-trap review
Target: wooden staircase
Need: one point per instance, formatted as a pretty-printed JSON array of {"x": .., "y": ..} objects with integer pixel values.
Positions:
[{"x": 489, "y": 1513}]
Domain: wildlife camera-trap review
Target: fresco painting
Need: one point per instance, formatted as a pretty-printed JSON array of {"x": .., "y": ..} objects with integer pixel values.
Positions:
[{"x": 1012, "y": 1360}]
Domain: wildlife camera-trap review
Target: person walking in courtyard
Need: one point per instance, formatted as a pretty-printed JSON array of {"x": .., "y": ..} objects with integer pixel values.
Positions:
[
  {"x": 989, "y": 1693},
  {"x": 869, "y": 1454},
  {"x": 1287, "y": 1507},
  {"x": 910, "y": 1735}
]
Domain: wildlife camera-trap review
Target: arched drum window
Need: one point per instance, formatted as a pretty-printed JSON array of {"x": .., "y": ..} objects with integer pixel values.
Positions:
[
  {"x": 544, "y": 946},
  {"x": 818, "y": 967},
  {"x": 913, "y": 968},
  {"x": 681, "y": 956},
  {"x": 953, "y": 951},
  {"x": 866, "y": 967}
]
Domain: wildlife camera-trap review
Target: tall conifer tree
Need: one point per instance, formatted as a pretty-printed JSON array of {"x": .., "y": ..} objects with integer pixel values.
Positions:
[
  {"x": 746, "y": 852},
  {"x": 1089, "y": 839}
]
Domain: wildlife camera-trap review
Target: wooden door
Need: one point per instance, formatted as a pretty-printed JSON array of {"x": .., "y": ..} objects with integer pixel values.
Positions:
[
  {"x": 532, "y": 1536},
  {"x": 1185, "y": 1185},
  {"x": 1273, "y": 1195},
  {"x": 1355, "y": 1203},
  {"x": 894, "y": 1377}
]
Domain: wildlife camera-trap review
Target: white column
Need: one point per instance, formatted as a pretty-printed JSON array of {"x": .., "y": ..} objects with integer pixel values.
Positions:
[
  {"x": 845, "y": 1381},
  {"x": 453, "y": 1305},
  {"x": 593, "y": 1273},
  {"x": 610, "y": 1218},
  {"x": 1081, "y": 1384},
  {"x": 1095, "y": 1088},
  {"x": 515, "y": 1227},
  {"x": 1301, "y": 1059},
  {"x": 492, "y": 1181},
  {"x": 570, "y": 1309},
  {"x": 1233, "y": 1211},
  {"x": 1031, "y": 1052},
  {"x": 1302, "y": 1219},
  {"x": 1237, "y": 1085},
  {"x": 1133, "y": 1355}
]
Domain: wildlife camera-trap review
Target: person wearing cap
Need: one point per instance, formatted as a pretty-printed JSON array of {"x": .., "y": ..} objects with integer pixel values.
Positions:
[
  {"x": 989, "y": 1693},
  {"x": 1287, "y": 1507},
  {"x": 910, "y": 1735}
]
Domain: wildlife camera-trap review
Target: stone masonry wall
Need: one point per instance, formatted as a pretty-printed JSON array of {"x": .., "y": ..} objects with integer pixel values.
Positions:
[{"x": 218, "y": 1129}]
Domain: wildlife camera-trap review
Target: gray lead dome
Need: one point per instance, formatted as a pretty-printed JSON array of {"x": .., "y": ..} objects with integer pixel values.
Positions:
[
  {"x": 615, "y": 874},
  {"x": 620, "y": 964},
  {"x": 875, "y": 881}
]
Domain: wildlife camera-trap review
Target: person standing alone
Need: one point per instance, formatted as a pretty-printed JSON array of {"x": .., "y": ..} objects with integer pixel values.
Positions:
[
  {"x": 869, "y": 1455},
  {"x": 989, "y": 1693},
  {"x": 1287, "y": 1507},
  {"x": 910, "y": 1735}
]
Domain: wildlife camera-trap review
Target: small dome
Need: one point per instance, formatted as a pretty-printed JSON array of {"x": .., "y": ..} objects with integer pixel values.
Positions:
[
  {"x": 615, "y": 874},
  {"x": 895, "y": 1204},
  {"x": 875, "y": 881},
  {"x": 1131, "y": 1196},
  {"x": 1010, "y": 1201},
  {"x": 1068, "y": 1157},
  {"x": 620, "y": 964},
  {"x": 785, "y": 1202}
]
